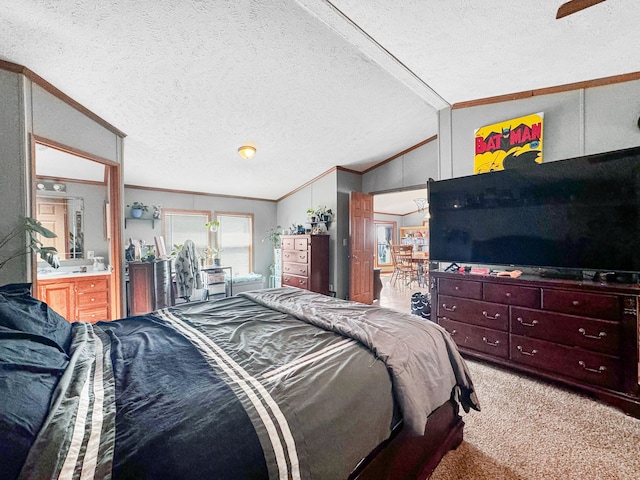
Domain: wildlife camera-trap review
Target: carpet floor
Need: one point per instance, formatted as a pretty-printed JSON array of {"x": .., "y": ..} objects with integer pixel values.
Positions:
[{"x": 531, "y": 430}]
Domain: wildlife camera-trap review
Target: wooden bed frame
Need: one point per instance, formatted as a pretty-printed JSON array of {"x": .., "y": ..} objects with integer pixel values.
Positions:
[{"x": 409, "y": 457}]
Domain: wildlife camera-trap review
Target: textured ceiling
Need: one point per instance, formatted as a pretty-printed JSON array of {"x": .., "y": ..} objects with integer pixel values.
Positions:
[{"x": 311, "y": 84}]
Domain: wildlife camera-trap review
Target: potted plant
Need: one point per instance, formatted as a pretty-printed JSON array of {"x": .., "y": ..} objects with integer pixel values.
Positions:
[
  {"x": 33, "y": 228},
  {"x": 212, "y": 226},
  {"x": 137, "y": 208},
  {"x": 311, "y": 213},
  {"x": 273, "y": 235},
  {"x": 324, "y": 214}
]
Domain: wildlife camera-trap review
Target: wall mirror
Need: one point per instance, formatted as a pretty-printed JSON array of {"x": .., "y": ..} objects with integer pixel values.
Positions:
[
  {"x": 64, "y": 216},
  {"x": 71, "y": 194}
]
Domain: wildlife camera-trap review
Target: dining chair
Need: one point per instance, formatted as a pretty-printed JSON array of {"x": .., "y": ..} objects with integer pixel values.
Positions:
[{"x": 403, "y": 265}]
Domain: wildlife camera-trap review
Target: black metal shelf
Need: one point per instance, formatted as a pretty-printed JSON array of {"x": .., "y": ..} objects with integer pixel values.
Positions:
[{"x": 152, "y": 220}]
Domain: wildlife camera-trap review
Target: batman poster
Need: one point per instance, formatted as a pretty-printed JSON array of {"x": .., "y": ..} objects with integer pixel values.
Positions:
[{"x": 510, "y": 144}]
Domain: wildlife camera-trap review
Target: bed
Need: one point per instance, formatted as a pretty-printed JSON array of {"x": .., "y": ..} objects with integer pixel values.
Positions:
[{"x": 272, "y": 384}]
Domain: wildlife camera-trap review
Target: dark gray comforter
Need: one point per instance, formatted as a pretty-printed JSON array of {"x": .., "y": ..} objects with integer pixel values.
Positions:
[{"x": 279, "y": 383}]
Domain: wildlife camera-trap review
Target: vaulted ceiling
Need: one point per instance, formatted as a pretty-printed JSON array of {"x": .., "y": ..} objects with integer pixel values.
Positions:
[{"x": 310, "y": 83}]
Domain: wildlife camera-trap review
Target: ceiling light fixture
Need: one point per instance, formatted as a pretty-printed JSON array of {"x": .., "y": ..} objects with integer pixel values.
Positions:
[
  {"x": 421, "y": 203},
  {"x": 247, "y": 152}
]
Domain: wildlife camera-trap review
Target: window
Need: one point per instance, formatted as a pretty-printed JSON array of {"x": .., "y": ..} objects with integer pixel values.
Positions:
[
  {"x": 235, "y": 241},
  {"x": 181, "y": 225}
]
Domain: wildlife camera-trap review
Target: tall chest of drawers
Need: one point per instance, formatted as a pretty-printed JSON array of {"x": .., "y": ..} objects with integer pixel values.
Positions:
[
  {"x": 150, "y": 286},
  {"x": 581, "y": 334},
  {"x": 305, "y": 262}
]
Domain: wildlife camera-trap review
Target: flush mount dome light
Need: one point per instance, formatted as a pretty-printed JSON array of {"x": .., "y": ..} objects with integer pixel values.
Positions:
[{"x": 247, "y": 152}]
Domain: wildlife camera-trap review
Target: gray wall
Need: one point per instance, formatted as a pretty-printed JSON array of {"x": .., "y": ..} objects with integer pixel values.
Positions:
[
  {"x": 264, "y": 217},
  {"x": 14, "y": 180},
  {"x": 28, "y": 108},
  {"x": 292, "y": 210},
  {"x": 578, "y": 122},
  {"x": 411, "y": 170}
]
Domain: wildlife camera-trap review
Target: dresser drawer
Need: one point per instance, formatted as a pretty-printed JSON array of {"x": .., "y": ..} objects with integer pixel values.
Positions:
[
  {"x": 298, "y": 256},
  {"x": 460, "y": 288},
  {"x": 512, "y": 294},
  {"x": 585, "y": 366},
  {"x": 588, "y": 333},
  {"x": 484, "y": 314},
  {"x": 288, "y": 244},
  {"x": 481, "y": 339},
  {"x": 92, "y": 298},
  {"x": 294, "y": 281},
  {"x": 295, "y": 268},
  {"x": 292, "y": 243},
  {"x": 92, "y": 285},
  {"x": 93, "y": 315},
  {"x": 581, "y": 303}
]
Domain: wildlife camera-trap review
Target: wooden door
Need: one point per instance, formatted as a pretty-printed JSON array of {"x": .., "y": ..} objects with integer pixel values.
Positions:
[
  {"x": 52, "y": 213},
  {"x": 362, "y": 243}
]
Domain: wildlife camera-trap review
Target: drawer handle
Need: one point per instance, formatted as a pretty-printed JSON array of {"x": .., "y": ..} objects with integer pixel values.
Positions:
[
  {"x": 93, "y": 299},
  {"x": 449, "y": 309},
  {"x": 531, "y": 353},
  {"x": 457, "y": 288},
  {"x": 522, "y": 322},
  {"x": 575, "y": 303},
  {"x": 600, "y": 369},
  {"x": 508, "y": 294},
  {"x": 600, "y": 336},
  {"x": 93, "y": 285},
  {"x": 494, "y": 344},
  {"x": 495, "y": 317},
  {"x": 453, "y": 332}
]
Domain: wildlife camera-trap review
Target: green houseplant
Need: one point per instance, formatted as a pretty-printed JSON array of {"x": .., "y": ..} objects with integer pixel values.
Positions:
[
  {"x": 273, "y": 236},
  {"x": 32, "y": 228}
]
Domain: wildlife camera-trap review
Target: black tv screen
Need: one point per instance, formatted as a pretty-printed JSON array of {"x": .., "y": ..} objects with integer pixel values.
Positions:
[{"x": 582, "y": 214}]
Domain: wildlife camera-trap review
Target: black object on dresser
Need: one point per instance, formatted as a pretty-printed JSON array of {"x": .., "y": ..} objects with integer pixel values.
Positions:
[
  {"x": 305, "y": 262},
  {"x": 581, "y": 334}
]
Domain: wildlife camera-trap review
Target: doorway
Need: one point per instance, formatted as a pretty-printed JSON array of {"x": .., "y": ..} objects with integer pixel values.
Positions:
[{"x": 398, "y": 216}]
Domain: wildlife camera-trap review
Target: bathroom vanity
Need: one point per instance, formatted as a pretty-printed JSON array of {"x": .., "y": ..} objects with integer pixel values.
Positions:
[{"x": 77, "y": 296}]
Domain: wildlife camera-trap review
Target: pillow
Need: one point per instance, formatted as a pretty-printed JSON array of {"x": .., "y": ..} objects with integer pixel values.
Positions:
[
  {"x": 16, "y": 289},
  {"x": 29, "y": 372},
  {"x": 21, "y": 312}
]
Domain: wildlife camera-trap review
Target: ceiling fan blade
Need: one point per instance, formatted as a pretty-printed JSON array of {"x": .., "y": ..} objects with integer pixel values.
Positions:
[{"x": 574, "y": 6}]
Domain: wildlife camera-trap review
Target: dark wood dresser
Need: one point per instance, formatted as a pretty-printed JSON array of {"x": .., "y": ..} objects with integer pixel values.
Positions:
[
  {"x": 150, "y": 286},
  {"x": 582, "y": 334},
  {"x": 305, "y": 262}
]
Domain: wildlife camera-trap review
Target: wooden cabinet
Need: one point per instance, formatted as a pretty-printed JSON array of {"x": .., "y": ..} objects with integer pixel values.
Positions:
[
  {"x": 150, "y": 286},
  {"x": 581, "y": 334},
  {"x": 85, "y": 298},
  {"x": 305, "y": 262}
]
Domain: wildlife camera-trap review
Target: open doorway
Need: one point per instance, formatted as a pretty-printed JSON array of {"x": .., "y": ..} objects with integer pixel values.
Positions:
[{"x": 401, "y": 217}]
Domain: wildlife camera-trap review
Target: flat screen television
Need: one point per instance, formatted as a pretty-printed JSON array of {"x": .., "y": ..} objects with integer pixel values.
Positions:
[{"x": 580, "y": 214}]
